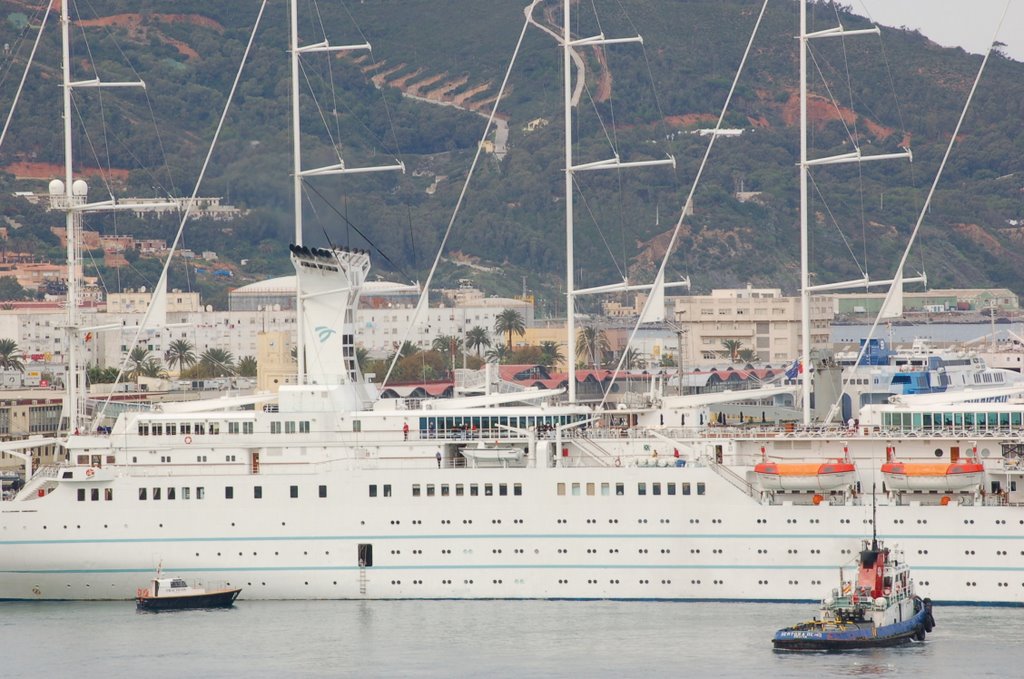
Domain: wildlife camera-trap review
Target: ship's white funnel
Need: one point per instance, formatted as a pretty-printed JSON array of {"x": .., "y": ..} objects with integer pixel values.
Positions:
[{"x": 330, "y": 280}]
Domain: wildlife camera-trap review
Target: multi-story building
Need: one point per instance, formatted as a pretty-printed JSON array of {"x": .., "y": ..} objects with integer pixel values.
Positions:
[{"x": 759, "y": 318}]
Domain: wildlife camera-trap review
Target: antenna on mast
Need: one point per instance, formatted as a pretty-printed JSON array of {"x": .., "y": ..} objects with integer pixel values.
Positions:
[{"x": 874, "y": 519}]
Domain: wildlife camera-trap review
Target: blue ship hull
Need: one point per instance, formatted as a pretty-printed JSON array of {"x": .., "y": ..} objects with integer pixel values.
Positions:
[{"x": 811, "y": 637}]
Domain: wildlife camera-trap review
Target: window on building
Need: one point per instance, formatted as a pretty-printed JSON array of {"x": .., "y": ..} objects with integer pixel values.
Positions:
[
  {"x": 293, "y": 491},
  {"x": 322, "y": 491},
  {"x": 373, "y": 490},
  {"x": 257, "y": 492},
  {"x": 229, "y": 492}
]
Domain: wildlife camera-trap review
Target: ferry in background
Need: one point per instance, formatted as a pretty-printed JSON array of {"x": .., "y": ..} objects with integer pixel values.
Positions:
[{"x": 882, "y": 373}]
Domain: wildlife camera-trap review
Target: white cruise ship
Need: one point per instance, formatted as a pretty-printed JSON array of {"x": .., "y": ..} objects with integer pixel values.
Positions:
[
  {"x": 326, "y": 491},
  {"x": 316, "y": 496}
]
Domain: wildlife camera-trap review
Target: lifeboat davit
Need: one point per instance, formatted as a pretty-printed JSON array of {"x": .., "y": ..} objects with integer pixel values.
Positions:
[{"x": 806, "y": 475}]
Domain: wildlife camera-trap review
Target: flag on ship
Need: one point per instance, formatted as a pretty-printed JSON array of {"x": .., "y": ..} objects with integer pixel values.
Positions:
[{"x": 794, "y": 369}]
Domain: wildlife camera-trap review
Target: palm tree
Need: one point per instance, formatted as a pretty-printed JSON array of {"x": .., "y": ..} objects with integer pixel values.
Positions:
[
  {"x": 180, "y": 355},
  {"x": 550, "y": 353},
  {"x": 747, "y": 355},
  {"x": 362, "y": 356},
  {"x": 217, "y": 362},
  {"x": 447, "y": 345},
  {"x": 732, "y": 348},
  {"x": 10, "y": 355},
  {"x": 497, "y": 354},
  {"x": 478, "y": 338},
  {"x": 136, "y": 362},
  {"x": 152, "y": 367},
  {"x": 510, "y": 321},
  {"x": 632, "y": 359},
  {"x": 247, "y": 366},
  {"x": 592, "y": 343}
]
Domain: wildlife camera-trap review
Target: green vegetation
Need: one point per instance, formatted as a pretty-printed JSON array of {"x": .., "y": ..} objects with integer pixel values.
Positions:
[{"x": 512, "y": 217}]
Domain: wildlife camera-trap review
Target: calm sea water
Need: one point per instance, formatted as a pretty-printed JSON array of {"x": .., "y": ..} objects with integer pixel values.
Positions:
[{"x": 475, "y": 638}]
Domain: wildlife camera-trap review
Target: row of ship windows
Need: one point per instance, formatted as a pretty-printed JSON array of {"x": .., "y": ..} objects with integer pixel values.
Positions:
[
  {"x": 185, "y": 492},
  {"x": 459, "y": 488},
  {"x": 656, "y": 488},
  {"x": 214, "y": 428}
]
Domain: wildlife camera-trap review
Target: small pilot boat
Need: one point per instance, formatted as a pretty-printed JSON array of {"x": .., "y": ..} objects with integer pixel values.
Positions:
[
  {"x": 166, "y": 594},
  {"x": 879, "y": 607}
]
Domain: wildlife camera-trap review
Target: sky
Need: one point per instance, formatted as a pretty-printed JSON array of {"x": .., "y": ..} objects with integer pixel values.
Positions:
[{"x": 963, "y": 23}]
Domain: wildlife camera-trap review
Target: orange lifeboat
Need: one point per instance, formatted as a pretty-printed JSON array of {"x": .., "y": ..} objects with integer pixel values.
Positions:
[
  {"x": 962, "y": 475},
  {"x": 828, "y": 475}
]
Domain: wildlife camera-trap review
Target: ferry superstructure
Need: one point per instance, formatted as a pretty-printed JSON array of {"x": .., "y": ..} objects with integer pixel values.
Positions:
[{"x": 881, "y": 373}]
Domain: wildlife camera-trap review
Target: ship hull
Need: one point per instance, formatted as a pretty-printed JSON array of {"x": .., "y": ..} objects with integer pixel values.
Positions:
[
  {"x": 568, "y": 534},
  {"x": 852, "y": 637}
]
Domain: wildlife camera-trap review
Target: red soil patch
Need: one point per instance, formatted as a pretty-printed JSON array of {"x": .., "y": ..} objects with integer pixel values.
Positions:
[
  {"x": 821, "y": 111},
  {"x": 690, "y": 119},
  {"x": 136, "y": 29},
  {"x": 978, "y": 235},
  {"x": 44, "y": 171}
]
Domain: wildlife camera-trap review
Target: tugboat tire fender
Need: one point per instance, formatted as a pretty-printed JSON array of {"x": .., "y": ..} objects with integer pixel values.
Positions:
[{"x": 920, "y": 633}]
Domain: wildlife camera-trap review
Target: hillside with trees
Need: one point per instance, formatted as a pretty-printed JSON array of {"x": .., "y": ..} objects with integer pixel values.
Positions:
[{"x": 642, "y": 102}]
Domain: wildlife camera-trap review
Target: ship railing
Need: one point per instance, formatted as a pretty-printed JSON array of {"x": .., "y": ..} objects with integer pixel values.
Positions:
[
  {"x": 49, "y": 471},
  {"x": 592, "y": 450},
  {"x": 735, "y": 479}
]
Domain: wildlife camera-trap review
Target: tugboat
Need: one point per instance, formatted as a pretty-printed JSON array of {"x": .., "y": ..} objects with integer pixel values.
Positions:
[
  {"x": 169, "y": 594},
  {"x": 879, "y": 607}
]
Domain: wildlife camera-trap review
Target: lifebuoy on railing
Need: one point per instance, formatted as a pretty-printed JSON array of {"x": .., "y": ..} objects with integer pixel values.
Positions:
[
  {"x": 142, "y": 592},
  {"x": 618, "y": 462},
  {"x": 817, "y": 499},
  {"x": 188, "y": 440},
  {"x": 90, "y": 472}
]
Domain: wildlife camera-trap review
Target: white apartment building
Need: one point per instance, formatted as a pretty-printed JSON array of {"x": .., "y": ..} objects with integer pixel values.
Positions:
[
  {"x": 380, "y": 329},
  {"x": 761, "y": 318}
]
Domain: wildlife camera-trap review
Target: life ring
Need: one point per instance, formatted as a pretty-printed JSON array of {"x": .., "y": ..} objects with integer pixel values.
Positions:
[
  {"x": 188, "y": 440},
  {"x": 817, "y": 499},
  {"x": 944, "y": 501},
  {"x": 618, "y": 462},
  {"x": 90, "y": 472}
]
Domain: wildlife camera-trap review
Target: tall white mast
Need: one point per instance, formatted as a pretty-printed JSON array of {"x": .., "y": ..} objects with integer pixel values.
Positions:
[
  {"x": 71, "y": 221},
  {"x": 570, "y": 292},
  {"x": 614, "y": 163},
  {"x": 806, "y": 289},
  {"x": 298, "y": 173},
  {"x": 71, "y": 196}
]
